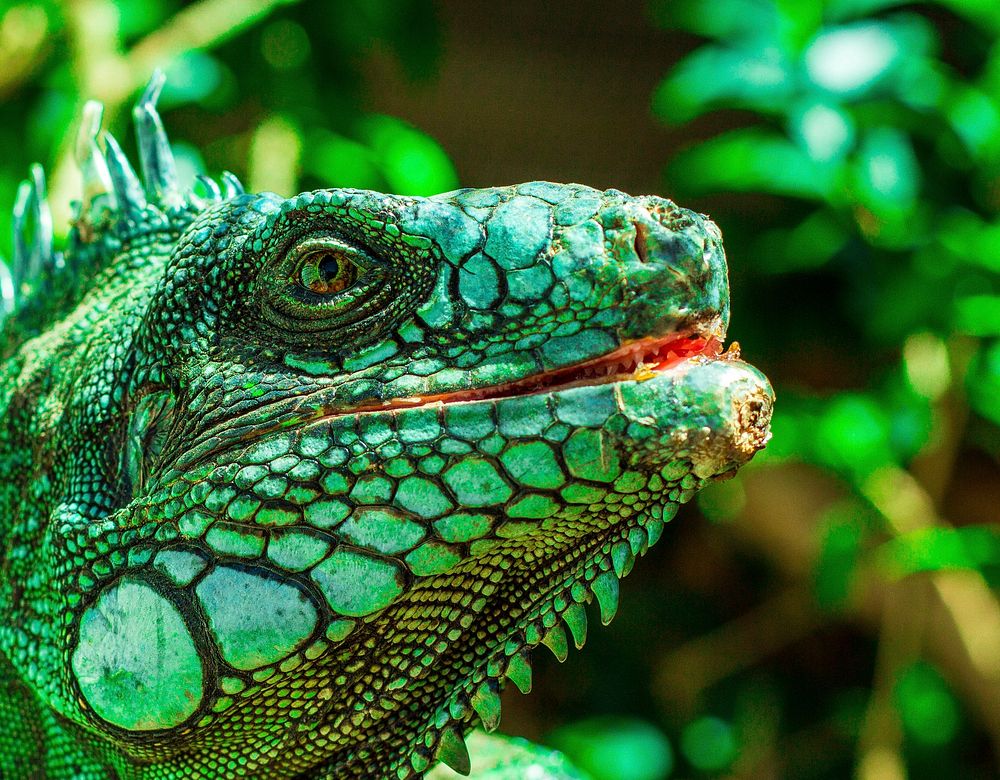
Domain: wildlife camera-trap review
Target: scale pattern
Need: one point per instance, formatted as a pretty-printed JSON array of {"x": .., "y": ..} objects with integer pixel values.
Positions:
[{"x": 292, "y": 487}]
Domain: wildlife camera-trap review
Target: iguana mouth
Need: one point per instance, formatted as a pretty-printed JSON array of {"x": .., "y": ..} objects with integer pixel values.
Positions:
[{"x": 637, "y": 361}]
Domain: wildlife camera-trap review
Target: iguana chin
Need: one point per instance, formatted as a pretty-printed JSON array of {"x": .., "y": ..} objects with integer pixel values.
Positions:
[{"x": 292, "y": 486}]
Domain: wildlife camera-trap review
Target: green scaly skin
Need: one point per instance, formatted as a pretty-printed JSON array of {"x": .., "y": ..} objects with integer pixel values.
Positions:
[{"x": 271, "y": 506}]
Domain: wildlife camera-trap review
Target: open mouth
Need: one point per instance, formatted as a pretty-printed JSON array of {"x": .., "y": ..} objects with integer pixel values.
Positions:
[{"x": 636, "y": 361}]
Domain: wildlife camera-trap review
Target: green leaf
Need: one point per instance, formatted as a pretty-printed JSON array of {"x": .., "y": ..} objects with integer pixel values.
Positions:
[
  {"x": 747, "y": 77},
  {"x": 191, "y": 77},
  {"x": 985, "y": 13},
  {"x": 727, "y": 19},
  {"x": 842, "y": 535},
  {"x": 887, "y": 174},
  {"x": 926, "y": 705},
  {"x": 411, "y": 161},
  {"x": 612, "y": 748},
  {"x": 722, "y": 501},
  {"x": 983, "y": 381},
  {"x": 805, "y": 247},
  {"x": 935, "y": 549},
  {"x": 341, "y": 162},
  {"x": 975, "y": 117},
  {"x": 978, "y": 315},
  {"x": 970, "y": 239},
  {"x": 752, "y": 159},
  {"x": 853, "y": 435},
  {"x": 709, "y": 744}
]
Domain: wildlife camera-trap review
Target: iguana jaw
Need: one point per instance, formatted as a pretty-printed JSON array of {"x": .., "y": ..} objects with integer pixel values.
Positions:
[{"x": 636, "y": 360}]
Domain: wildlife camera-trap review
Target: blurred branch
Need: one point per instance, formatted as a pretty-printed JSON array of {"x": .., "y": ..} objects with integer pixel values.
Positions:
[
  {"x": 965, "y": 594},
  {"x": 935, "y": 464},
  {"x": 880, "y": 745},
  {"x": 23, "y": 38},
  {"x": 737, "y": 645}
]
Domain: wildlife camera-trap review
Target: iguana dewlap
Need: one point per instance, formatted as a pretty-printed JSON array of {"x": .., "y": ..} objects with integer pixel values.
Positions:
[{"x": 292, "y": 486}]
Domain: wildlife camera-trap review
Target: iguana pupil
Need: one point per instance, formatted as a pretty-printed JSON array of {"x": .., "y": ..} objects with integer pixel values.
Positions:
[
  {"x": 325, "y": 273},
  {"x": 301, "y": 513}
]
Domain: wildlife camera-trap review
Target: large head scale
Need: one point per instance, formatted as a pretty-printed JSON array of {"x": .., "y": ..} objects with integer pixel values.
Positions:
[{"x": 354, "y": 455}]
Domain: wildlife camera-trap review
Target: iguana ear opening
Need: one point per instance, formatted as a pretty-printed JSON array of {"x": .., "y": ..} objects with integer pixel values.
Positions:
[{"x": 145, "y": 438}]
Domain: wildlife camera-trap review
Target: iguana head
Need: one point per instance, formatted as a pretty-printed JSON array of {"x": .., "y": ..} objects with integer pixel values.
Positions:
[{"x": 319, "y": 472}]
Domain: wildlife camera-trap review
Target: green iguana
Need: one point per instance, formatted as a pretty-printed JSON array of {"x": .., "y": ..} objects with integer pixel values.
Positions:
[{"x": 292, "y": 486}]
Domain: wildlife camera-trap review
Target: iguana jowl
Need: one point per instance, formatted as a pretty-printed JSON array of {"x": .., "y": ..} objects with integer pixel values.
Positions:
[{"x": 292, "y": 486}]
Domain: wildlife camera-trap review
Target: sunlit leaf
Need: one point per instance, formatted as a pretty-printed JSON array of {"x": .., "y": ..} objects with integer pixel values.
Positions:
[
  {"x": 610, "y": 748},
  {"x": 926, "y": 366},
  {"x": 411, "y": 161},
  {"x": 887, "y": 174},
  {"x": 849, "y": 59},
  {"x": 824, "y": 130}
]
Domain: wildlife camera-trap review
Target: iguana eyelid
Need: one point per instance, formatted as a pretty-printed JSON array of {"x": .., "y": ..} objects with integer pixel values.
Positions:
[{"x": 311, "y": 245}]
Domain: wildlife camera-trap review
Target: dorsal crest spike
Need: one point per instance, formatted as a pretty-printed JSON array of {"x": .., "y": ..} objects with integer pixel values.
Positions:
[
  {"x": 232, "y": 185},
  {"x": 128, "y": 189},
  {"x": 22, "y": 247},
  {"x": 156, "y": 159},
  {"x": 211, "y": 187},
  {"x": 8, "y": 297},
  {"x": 43, "y": 257},
  {"x": 33, "y": 249},
  {"x": 97, "y": 187}
]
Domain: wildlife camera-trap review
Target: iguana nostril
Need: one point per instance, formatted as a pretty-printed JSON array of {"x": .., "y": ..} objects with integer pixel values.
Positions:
[{"x": 641, "y": 239}]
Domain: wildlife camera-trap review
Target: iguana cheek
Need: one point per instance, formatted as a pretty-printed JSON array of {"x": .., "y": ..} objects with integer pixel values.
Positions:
[
  {"x": 255, "y": 619},
  {"x": 136, "y": 663}
]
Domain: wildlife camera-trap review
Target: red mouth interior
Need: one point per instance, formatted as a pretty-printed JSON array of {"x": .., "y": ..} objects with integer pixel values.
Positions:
[{"x": 638, "y": 360}]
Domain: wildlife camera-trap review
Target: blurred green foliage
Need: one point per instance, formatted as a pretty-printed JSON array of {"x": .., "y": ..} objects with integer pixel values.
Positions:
[
  {"x": 867, "y": 132},
  {"x": 288, "y": 86}
]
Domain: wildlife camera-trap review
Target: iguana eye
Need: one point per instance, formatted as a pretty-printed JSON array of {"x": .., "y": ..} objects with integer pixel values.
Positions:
[{"x": 326, "y": 271}]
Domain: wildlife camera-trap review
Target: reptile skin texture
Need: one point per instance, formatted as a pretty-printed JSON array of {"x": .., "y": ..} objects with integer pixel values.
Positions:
[{"x": 293, "y": 487}]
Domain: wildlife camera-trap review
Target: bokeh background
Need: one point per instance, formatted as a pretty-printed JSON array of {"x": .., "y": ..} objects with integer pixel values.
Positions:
[{"x": 832, "y": 611}]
